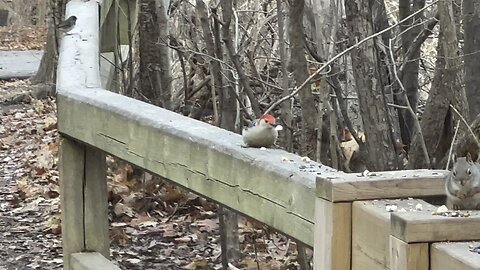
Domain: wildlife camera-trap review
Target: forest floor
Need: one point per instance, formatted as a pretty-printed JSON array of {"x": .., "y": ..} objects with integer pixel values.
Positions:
[{"x": 154, "y": 225}]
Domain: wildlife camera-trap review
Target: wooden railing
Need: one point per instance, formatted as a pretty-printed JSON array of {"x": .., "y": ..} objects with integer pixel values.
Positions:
[{"x": 307, "y": 201}]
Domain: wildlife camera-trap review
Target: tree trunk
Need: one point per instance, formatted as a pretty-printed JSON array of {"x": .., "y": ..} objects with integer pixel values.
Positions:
[
  {"x": 155, "y": 74},
  {"x": 298, "y": 65},
  {"x": 411, "y": 68},
  {"x": 471, "y": 22},
  {"x": 48, "y": 65},
  {"x": 165, "y": 68},
  {"x": 438, "y": 120},
  {"x": 380, "y": 22},
  {"x": 286, "y": 109},
  {"x": 229, "y": 219},
  {"x": 381, "y": 153}
]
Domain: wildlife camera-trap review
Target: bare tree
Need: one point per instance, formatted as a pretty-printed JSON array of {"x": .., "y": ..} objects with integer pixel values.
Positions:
[
  {"x": 411, "y": 28},
  {"x": 438, "y": 119},
  {"x": 381, "y": 153},
  {"x": 48, "y": 66},
  {"x": 298, "y": 65},
  {"x": 471, "y": 17},
  {"x": 155, "y": 68}
]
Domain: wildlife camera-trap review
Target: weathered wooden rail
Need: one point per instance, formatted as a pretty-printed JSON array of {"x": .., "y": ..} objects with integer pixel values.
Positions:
[{"x": 321, "y": 207}]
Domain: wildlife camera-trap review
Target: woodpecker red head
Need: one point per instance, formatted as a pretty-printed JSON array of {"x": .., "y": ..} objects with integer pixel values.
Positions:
[
  {"x": 262, "y": 132},
  {"x": 269, "y": 119}
]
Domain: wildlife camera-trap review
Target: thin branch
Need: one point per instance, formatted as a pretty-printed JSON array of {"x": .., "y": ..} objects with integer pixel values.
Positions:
[
  {"x": 409, "y": 107},
  {"x": 451, "y": 145},
  {"x": 467, "y": 125},
  {"x": 417, "y": 42},
  {"x": 329, "y": 62},
  {"x": 334, "y": 82}
]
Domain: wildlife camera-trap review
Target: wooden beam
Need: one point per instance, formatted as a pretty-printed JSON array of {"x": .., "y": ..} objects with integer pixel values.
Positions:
[
  {"x": 91, "y": 261},
  {"x": 96, "y": 203},
  {"x": 371, "y": 231},
  {"x": 404, "y": 256},
  {"x": 454, "y": 256},
  {"x": 422, "y": 226},
  {"x": 343, "y": 187},
  {"x": 71, "y": 169},
  {"x": 83, "y": 191},
  {"x": 332, "y": 248},
  {"x": 272, "y": 186}
]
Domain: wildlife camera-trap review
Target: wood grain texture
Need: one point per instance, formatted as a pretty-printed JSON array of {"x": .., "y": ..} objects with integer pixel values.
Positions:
[
  {"x": 91, "y": 261},
  {"x": 422, "y": 226},
  {"x": 71, "y": 169},
  {"x": 371, "y": 231},
  {"x": 205, "y": 159},
  {"x": 404, "y": 256},
  {"x": 454, "y": 256},
  {"x": 339, "y": 186},
  {"x": 332, "y": 248},
  {"x": 96, "y": 203}
]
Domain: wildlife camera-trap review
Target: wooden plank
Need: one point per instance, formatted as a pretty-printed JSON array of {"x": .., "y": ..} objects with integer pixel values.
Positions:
[
  {"x": 91, "y": 261},
  {"x": 424, "y": 227},
  {"x": 71, "y": 169},
  {"x": 404, "y": 256},
  {"x": 371, "y": 231},
  {"x": 332, "y": 248},
  {"x": 96, "y": 203},
  {"x": 79, "y": 53},
  {"x": 205, "y": 159},
  {"x": 454, "y": 256},
  {"x": 340, "y": 187}
]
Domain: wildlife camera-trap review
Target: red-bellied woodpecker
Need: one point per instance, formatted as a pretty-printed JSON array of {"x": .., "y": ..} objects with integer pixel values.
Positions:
[{"x": 262, "y": 132}]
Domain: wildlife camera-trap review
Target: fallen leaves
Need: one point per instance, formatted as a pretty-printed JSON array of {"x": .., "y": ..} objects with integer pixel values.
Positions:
[
  {"x": 154, "y": 225},
  {"x": 23, "y": 37}
]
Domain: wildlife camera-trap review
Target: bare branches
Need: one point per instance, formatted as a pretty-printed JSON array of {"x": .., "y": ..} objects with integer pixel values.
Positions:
[
  {"x": 403, "y": 95},
  {"x": 466, "y": 124},
  {"x": 329, "y": 62}
]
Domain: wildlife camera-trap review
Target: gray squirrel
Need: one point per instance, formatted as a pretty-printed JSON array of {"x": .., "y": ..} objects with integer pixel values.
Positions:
[{"x": 463, "y": 184}]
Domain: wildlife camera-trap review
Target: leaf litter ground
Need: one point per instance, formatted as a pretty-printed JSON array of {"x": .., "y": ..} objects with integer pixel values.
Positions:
[{"x": 154, "y": 225}]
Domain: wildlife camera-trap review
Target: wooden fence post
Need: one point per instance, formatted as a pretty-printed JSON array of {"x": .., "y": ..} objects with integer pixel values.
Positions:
[
  {"x": 83, "y": 190},
  {"x": 333, "y": 238}
]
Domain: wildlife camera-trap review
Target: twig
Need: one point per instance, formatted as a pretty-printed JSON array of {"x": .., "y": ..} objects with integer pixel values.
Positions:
[
  {"x": 337, "y": 88},
  {"x": 467, "y": 125},
  {"x": 276, "y": 103},
  {"x": 177, "y": 205},
  {"x": 451, "y": 146},
  {"x": 409, "y": 107},
  {"x": 397, "y": 106},
  {"x": 256, "y": 254}
]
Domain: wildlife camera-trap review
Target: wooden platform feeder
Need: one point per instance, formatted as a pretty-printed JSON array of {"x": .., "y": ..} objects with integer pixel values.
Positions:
[
  {"x": 413, "y": 232},
  {"x": 456, "y": 256},
  {"x": 333, "y": 208}
]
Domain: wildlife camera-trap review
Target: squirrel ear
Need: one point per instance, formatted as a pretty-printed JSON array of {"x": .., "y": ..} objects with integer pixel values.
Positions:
[{"x": 469, "y": 157}]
